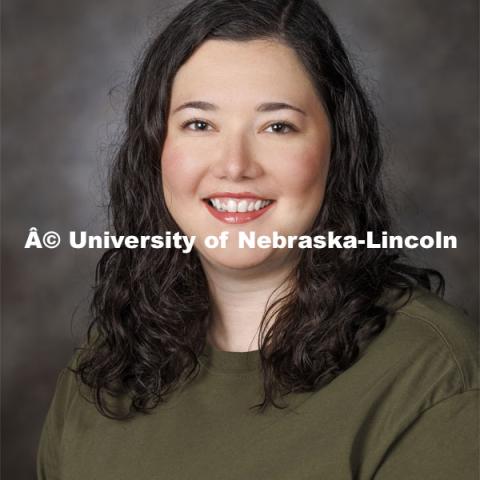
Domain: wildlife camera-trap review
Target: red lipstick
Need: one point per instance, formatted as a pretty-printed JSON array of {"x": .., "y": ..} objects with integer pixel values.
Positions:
[{"x": 235, "y": 195}]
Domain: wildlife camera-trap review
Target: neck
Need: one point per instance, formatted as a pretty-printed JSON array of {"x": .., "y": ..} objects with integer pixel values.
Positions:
[{"x": 239, "y": 299}]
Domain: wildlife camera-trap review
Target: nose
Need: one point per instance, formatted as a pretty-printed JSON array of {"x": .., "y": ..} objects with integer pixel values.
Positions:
[{"x": 235, "y": 159}]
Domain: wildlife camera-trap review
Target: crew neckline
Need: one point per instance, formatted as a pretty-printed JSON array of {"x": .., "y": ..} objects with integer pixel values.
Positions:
[{"x": 222, "y": 361}]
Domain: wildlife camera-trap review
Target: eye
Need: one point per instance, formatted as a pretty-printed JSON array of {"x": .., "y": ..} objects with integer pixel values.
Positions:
[
  {"x": 280, "y": 127},
  {"x": 198, "y": 125}
]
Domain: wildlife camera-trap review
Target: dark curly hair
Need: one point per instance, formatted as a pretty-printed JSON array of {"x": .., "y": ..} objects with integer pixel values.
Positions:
[{"x": 150, "y": 308}]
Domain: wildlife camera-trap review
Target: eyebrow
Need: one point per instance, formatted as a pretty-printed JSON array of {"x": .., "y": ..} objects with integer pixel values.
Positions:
[{"x": 263, "y": 107}]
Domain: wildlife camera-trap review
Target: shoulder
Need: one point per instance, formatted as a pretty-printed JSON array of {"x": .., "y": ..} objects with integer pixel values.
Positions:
[
  {"x": 68, "y": 387},
  {"x": 424, "y": 371},
  {"x": 427, "y": 352},
  {"x": 50, "y": 444},
  {"x": 74, "y": 399},
  {"x": 427, "y": 321},
  {"x": 70, "y": 392}
]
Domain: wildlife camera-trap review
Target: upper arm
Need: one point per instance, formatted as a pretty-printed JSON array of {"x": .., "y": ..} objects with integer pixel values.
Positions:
[{"x": 442, "y": 444}]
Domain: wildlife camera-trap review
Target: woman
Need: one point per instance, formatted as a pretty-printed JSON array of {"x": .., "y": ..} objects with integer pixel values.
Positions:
[{"x": 246, "y": 116}]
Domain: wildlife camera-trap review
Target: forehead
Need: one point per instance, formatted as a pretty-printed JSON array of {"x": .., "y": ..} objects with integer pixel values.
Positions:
[{"x": 240, "y": 70}]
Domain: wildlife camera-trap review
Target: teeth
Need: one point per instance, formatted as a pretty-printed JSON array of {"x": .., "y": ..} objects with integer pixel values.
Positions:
[
  {"x": 231, "y": 205},
  {"x": 236, "y": 205},
  {"x": 242, "y": 206}
]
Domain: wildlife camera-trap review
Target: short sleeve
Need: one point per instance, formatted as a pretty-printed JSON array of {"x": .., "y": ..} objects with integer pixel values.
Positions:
[{"x": 442, "y": 444}]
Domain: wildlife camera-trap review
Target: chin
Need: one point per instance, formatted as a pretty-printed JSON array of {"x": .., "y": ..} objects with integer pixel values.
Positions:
[{"x": 238, "y": 259}]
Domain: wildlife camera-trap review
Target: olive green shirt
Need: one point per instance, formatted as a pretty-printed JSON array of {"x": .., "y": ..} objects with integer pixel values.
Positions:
[{"x": 407, "y": 409}]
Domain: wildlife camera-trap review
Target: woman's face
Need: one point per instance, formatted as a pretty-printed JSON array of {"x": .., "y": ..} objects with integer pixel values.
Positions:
[{"x": 245, "y": 128}]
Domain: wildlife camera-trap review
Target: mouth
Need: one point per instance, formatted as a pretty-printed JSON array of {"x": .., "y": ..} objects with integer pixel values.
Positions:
[
  {"x": 234, "y": 205},
  {"x": 237, "y": 210}
]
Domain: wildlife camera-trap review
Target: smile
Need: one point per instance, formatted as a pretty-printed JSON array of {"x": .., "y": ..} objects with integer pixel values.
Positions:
[
  {"x": 237, "y": 210},
  {"x": 237, "y": 205}
]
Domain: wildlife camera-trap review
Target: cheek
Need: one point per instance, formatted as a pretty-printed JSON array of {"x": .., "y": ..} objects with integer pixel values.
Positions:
[
  {"x": 304, "y": 174},
  {"x": 180, "y": 171}
]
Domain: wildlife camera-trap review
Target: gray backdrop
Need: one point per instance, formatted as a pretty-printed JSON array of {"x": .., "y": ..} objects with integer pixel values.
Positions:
[{"x": 65, "y": 69}]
